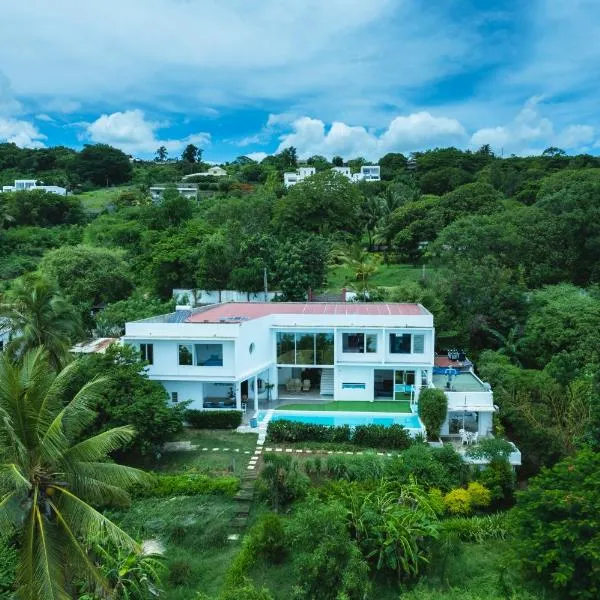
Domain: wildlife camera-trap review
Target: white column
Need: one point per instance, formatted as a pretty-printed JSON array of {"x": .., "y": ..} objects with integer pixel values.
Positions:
[
  {"x": 238, "y": 395},
  {"x": 256, "y": 393},
  {"x": 274, "y": 379}
]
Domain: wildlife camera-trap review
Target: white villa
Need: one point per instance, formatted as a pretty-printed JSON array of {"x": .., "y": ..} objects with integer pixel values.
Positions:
[
  {"x": 187, "y": 190},
  {"x": 367, "y": 173},
  {"x": 255, "y": 355},
  {"x": 25, "y": 185}
]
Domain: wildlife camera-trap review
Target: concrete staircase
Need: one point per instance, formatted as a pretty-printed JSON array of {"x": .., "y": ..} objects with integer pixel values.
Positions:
[{"x": 326, "y": 387}]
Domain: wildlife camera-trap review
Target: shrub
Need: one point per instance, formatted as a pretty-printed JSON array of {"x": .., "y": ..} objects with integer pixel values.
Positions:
[
  {"x": 477, "y": 529},
  {"x": 187, "y": 485},
  {"x": 491, "y": 449},
  {"x": 458, "y": 502},
  {"x": 356, "y": 468},
  {"x": 499, "y": 478},
  {"x": 436, "y": 500},
  {"x": 281, "y": 481},
  {"x": 246, "y": 591},
  {"x": 372, "y": 436},
  {"x": 479, "y": 495},
  {"x": 269, "y": 538},
  {"x": 557, "y": 526},
  {"x": 328, "y": 562},
  {"x": 179, "y": 572},
  {"x": 433, "y": 407},
  {"x": 213, "y": 419},
  {"x": 430, "y": 467},
  {"x": 379, "y": 436}
]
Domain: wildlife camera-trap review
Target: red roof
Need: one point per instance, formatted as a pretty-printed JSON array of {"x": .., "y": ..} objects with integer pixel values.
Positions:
[{"x": 232, "y": 311}]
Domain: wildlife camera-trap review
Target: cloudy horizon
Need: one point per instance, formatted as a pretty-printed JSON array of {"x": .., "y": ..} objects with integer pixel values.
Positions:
[{"x": 335, "y": 78}]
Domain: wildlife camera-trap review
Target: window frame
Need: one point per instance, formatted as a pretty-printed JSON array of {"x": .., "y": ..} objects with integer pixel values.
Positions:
[
  {"x": 190, "y": 349},
  {"x": 394, "y": 336},
  {"x": 147, "y": 352}
]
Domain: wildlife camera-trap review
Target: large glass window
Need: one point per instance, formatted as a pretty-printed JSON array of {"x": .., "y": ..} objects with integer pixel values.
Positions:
[
  {"x": 418, "y": 343},
  {"x": 147, "y": 352},
  {"x": 305, "y": 348},
  {"x": 353, "y": 343},
  {"x": 359, "y": 343},
  {"x": 286, "y": 349},
  {"x": 371, "y": 342},
  {"x": 324, "y": 347},
  {"x": 209, "y": 355},
  {"x": 400, "y": 343},
  {"x": 185, "y": 354}
]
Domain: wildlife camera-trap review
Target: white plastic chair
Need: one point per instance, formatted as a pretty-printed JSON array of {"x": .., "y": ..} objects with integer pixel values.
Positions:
[{"x": 474, "y": 437}]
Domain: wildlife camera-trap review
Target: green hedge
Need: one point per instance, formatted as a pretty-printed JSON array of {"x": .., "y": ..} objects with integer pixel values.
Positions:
[
  {"x": 368, "y": 436},
  {"x": 162, "y": 486},
  {"x": 213, "y": 419}
]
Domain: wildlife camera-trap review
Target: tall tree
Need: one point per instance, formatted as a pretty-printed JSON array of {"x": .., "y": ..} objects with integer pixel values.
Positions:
[
  {"x": 161, "y": 154},
  {"x": 51, "y": 476},
  {"x": 191, "y": 154},
  {"x": 37, "y": 315},
  {"x": 103, "y": 165}
]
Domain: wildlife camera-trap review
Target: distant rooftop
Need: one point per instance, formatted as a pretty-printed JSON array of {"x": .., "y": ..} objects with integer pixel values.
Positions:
[{"x": 244, "y": 311}]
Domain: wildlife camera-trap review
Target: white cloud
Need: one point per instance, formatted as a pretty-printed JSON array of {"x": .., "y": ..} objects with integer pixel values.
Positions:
[
  {"x": 22, "y": 133},
  {"x": 403, "y": 134},
  {"x": 257, "y": 156},
  {"x": 191, "y": 54},
  {"x": 530, "y": 132},
  {"x": 44, "y": 117},
  {"x": 133, "y": 133}
]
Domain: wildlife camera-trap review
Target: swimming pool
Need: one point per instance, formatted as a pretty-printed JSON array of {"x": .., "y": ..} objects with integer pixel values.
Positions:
[{"x": 347, "y": 418}]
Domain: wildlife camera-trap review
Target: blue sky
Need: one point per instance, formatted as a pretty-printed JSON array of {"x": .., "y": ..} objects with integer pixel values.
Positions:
[{"x": 327, "y": 76}]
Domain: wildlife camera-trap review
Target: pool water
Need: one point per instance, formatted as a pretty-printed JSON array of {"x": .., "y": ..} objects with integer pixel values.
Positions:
[{"x": 352, "y": 419}]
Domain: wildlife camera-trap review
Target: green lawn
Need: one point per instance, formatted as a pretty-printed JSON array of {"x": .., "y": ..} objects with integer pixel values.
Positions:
[
  {"x": 98, "y": 200},
  {"x": 209, "y": 462},
  {"x": 398, "y": 406},
  {"x": 387, "y": 276}
]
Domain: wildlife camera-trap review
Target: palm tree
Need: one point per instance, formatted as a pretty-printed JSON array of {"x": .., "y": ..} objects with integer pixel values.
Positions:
[
  {"x": 37, "y": 315},
  {"x": 51, "y": 475},
  {"x": 510, "y": 344},
  {"x": 364, "y": 264}
]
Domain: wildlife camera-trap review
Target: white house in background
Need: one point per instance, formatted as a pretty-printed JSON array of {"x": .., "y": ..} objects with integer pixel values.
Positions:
[
  {"x": 233, "y": 354},
  {"x": 295, "y": 177},
  {"x": 367, "y": 173},
  {"x": 215, "y": 171},
  {"x": 187, "y": 190},
  {"x": 26, "y": 185}
]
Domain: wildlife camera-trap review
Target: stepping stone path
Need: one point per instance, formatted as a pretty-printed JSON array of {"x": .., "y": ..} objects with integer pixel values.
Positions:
[{"x": 245, "y": 496}]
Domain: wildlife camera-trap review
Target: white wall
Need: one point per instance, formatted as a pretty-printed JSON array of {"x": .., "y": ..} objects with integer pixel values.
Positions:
[
  {"x": 353, "y": 374},
  {"x": 186, "y": 390},
  {"x": 166, "y": 360},
  {"x": 258, "y": 333}
]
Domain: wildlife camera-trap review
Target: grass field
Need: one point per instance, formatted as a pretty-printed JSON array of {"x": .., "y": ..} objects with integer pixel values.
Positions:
[
  {"x": 353, "y": 406},
  {"x": 193, "y": 531},
  {"x": 387, "y": 276},
  {"x": 209, "y": 462},
  {"x": 98, "y": 200}
]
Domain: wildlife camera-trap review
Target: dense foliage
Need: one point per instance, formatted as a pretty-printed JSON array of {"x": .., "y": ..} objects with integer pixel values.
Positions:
[
  {"x": 557, "y": 526},
  {"x": 201, "y": 419}
]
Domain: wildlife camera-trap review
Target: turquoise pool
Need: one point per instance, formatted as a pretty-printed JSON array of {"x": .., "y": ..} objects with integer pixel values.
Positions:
[{"x": 341, "y": 418}]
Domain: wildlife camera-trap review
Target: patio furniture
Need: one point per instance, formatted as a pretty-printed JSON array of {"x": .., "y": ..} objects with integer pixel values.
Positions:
[
  {"x": 474, "y": 437},
  {"x": 464, "y": 436},
  {"x": 306, "y": 385}
]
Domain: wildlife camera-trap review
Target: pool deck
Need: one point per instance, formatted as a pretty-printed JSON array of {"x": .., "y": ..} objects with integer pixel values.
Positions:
[{"x": 378, "y": 406}]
